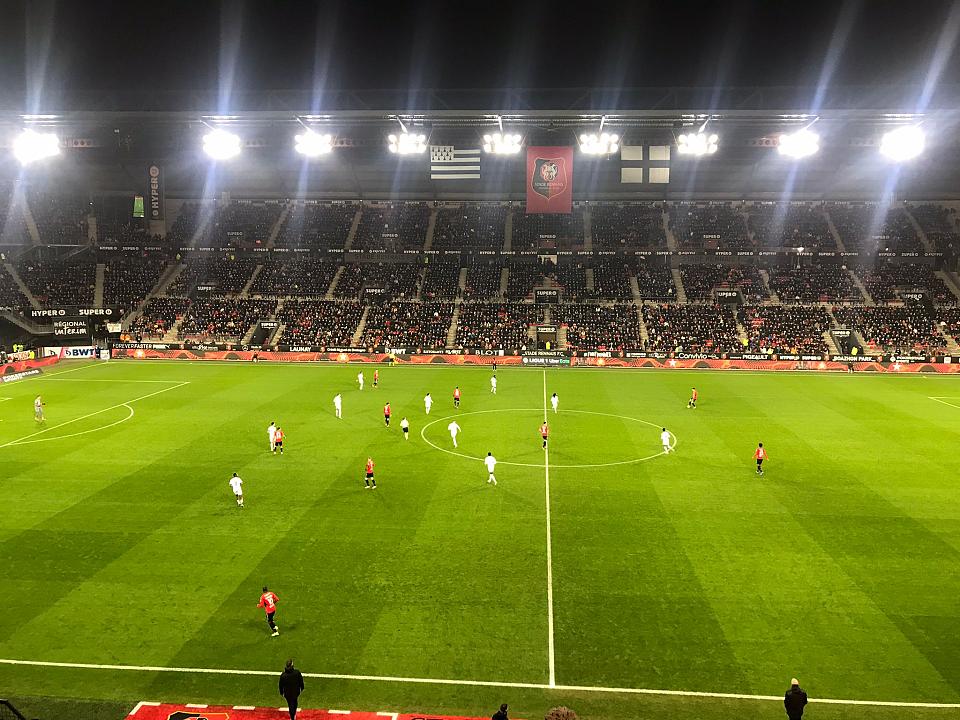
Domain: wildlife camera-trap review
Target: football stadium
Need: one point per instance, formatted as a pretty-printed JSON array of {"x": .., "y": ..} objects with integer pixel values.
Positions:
[{"x": 535, "y": 401}]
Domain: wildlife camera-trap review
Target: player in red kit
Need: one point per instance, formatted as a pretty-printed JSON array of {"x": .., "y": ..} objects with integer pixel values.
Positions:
[
  {"x": 268, "y": 601},
  {"x": 760, "y": 455},
  {"x": 368, "y": 480},
  {"x": 544, "y": 431},
  {"x": 456, "y": 396},
  {"x": 278, "y": 441},
  {"x": 692, "y": 403},
  {"x": 376, "y": 377},
  {"x": 386, "y": 414}
]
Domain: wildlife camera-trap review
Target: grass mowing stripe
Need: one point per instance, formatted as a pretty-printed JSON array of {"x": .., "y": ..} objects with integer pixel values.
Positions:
[
  {"x": 551, "y": 652},
  {"x": 473, "y": 683}
]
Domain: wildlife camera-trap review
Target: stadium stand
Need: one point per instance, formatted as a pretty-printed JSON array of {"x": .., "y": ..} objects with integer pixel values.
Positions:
[
  {"x": 316, "y": 225},
  {"x": 496, "y": 326},
  {"x": 547, "y": 232},
  {"x": 13, "y": 227},
  {"x": 116, "y": 224},
  {"x": 886, "y": 281},
  {"x": 61, "y": 219},
  {"x": 572, "y": 280},
  {"x": 408, "y": 324},
  {"x": 786, "y": 329},
  {"x": 441, "y": 281},
  {"x": 61, "y": 282},
  {"x": 226, "y": 276},
  {"x": 483, "y": 282},
  {"x": 298, "y": 277},
  {"x": 223, "y": 319},
  {"x": 894, "y": 329},
  {"x": 790, "y": 225},
  {"x": 127, "y": 281},
  {"x": 598, "y": 327},
  {"x": 470, "y": 226},
  {"x": 691, "y": 328},
  {"x": 810, "y": 284},
  {"x": 627, "y": 226},
  {"x": 709, "y": 226},
  {"x": 158, "y": 317},
  {"x": 324, "y": 323},
  {"x": 523, "y": 277},
  {"x": 700, "y": 280},
  {"x": 861, "y": 230},
  {"x": 939, "y": 224},
  {"x": 654, "y": 282},
  {"x": 393, "y": 227},
  {"x": 10, "y": 295},
  {"x": 611, "y": 280}
]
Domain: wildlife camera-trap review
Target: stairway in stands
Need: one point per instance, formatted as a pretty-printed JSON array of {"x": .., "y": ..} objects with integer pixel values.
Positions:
[{"x": 678, "y": 281}]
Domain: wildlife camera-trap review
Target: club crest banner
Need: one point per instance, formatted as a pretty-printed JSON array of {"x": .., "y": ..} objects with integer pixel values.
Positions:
[{"x": 549, "y": 179}]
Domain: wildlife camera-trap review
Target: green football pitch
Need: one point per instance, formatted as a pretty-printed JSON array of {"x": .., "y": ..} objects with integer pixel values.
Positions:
[{"x": 593, "y": 570}]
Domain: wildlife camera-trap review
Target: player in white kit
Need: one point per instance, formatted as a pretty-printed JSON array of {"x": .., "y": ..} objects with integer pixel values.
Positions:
[
  {"x": 665, "y": 439},
  {"x": 454, "y": 429},
  {"x": 237, "y": 485},
  {"x": 427, "y": 403},
  {"x": 38, "y": 404},
  {"x": 493, "y": 384},
  {"x": 338, "y": 406},
  {"x": 405, "y": 426},
  {"x": 491, "y": 462},
  {"x": 360, "y": 379},
  {"x": 272, "y": 434},
  {"x": 555, "y": 401}
]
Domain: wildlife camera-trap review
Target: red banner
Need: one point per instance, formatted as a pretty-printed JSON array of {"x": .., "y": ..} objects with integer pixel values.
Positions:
[
  {"x": 549, "y": 179},
  {"x": 157, "y": 711}
]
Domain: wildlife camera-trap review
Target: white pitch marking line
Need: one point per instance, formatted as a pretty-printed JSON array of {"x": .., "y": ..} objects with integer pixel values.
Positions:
[
  {"x": 942, "y": 399},
  {"x": 468, "y": 683},
  {"x": 551, "y": 654},
  {"x": 83, "y": 432},
  {"x": 115, "y": 380},
  {"x": 142, "y": 703},
  {"x": 244, "y": 707},
  {"x": 339, "y": 712},
  {"x": 193, "y": 705},
  {"x": 97, "y": 412},
  {"x": 423, "y": 436},
  {"x": 391, "y": 715}
]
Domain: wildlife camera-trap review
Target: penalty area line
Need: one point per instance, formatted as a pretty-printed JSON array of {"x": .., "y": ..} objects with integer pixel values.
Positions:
[
  {"x": 126, "y": 404},
  {"x": 469, "y": 683}
]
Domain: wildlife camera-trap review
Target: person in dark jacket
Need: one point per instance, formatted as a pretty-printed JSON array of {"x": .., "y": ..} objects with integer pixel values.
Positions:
[
  {"x": 794, "y": 700},
  {"x": 291, "y": 685},
  {"x": 501, "y": 714}
]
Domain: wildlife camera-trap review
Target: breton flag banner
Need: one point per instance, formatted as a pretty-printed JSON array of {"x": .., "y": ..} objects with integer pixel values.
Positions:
[
  {"x": 645, "y": 164},
  {"x": 451, "y": 163}
]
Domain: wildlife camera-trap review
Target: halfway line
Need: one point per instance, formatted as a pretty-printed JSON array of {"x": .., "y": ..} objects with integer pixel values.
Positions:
[
  {"x": 470, "y": 683},
  {"x": 551, "y": 653}
]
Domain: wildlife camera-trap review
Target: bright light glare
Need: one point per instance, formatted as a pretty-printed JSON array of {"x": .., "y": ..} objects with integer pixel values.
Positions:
[
  {"x": 313, "y": 144},
  {"x": 221, "y": 145},
  {"x": 501, "y": 144},
  {"x": 800, "y": 144},
  {"x": 30, "y": 146},
  {"x": 407, "y": 143},
  {"x": 904, "y": 143},
  {"x": 603, "y": 144},
  {"x": 697, "y": 144}
]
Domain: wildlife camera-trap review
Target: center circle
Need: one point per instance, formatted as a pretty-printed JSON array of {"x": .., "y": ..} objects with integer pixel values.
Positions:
[{"x": 566, "y": 438}]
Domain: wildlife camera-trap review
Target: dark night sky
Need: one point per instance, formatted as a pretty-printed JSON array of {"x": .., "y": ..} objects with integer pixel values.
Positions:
[{"x": 91, "y": 44}]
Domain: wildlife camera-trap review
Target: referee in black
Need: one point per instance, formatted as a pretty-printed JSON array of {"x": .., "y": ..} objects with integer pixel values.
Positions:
[{"x": 291, "y": 685}]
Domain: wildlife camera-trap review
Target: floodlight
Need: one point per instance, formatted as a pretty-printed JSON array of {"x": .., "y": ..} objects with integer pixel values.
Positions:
[
  {"x": 313, "y": 144},
  {"x": 697, "y": 144},
  {"x": 31, "y": 145},
  {"x": 800, "y": 144},
  {"x": 603, "y": 144},
  {"x": 407, "y": 143},
  {"x": 902, "y": 144},
  {"x": 221, "y": 145},
  {"x": 502, "y": 143}
]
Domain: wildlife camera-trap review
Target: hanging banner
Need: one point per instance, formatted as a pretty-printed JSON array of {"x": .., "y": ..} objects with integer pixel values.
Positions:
[
  {"x": 549, "y": 179},
  {"x": 155, "y": 188}
]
